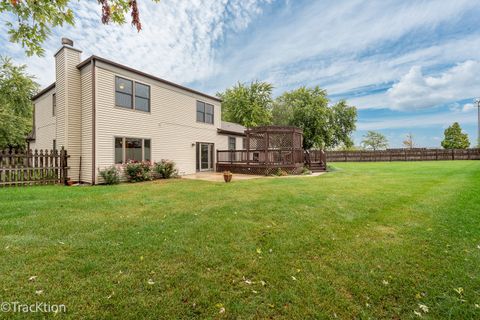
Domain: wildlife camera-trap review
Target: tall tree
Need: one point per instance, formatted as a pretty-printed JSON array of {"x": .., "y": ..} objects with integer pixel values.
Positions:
[
  {"x": 16, "y": 89},
  {"x": 455, "y": 138},
  {"x": 35, "y": 19},
  {"x": 408, "y": 143},
  {"x": 374, "y": 141},
  {"x": 342, "y": 120},
  {"x": 323, "y": 126},
  {"x": 248, "y": 104}
]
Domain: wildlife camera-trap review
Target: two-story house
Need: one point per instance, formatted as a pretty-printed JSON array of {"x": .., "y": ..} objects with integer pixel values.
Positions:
[{"x": 105, "y": 113}]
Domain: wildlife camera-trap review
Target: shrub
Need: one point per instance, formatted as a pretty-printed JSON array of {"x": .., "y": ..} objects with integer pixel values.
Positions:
[
  {"x": 305, "y": 171},
  {"x": 138, "y": 171},
  {"x": 165, "y": 169},
  {"x": 111, "y": 175},
  {"x": 280, "y": 172}
]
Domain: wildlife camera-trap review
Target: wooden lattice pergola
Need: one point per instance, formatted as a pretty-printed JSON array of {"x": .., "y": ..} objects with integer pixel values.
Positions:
[{"x": 267, "y": 149}]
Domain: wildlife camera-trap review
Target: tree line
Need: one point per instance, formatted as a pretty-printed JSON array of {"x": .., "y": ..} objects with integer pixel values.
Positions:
[
  {"x": 324, "y": 125},
  {"x": 454, "y": 138}
]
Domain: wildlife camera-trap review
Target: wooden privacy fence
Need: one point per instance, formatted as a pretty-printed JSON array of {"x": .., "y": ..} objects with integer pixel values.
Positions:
[
  {"x": 403, "y": 155},
  {"x": 19, "y": 168}
]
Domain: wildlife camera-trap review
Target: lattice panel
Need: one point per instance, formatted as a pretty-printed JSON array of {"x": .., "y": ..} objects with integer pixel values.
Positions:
[
  {"x": 280, "y": 140},
  {"x": 257, "y": 141},
  {"x": 259, "y": 170}
]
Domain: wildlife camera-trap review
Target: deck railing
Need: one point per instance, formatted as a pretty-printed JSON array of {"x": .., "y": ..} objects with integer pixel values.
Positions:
[
  {"x": 33, "y": 167},
  {"x": 315, "y": 156},
  {"x": 260, "y": 157}
]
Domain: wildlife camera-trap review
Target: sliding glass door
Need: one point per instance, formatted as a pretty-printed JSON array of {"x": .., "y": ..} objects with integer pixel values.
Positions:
[{"x": 205, "y": 156}]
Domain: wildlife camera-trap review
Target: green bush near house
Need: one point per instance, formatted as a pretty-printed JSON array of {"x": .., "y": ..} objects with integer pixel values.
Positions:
[
  {"x": 165, "y": 169},
  {"x": 138, "y": 171},
  {"x": 110, "y": 175}
]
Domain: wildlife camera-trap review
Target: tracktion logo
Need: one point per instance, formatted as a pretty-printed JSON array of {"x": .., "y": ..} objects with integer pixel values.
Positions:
[{"x": 37, "y": 307}]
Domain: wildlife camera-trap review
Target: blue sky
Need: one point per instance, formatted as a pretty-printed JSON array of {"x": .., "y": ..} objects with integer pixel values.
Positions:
[{"x": 408, "y": 66}]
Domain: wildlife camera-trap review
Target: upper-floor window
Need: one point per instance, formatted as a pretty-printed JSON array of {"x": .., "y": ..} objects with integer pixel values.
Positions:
[
  {"x": 205, "y": 112},
  {"x": 54, "y": 104},
  {"x": 132, "y": 95}
]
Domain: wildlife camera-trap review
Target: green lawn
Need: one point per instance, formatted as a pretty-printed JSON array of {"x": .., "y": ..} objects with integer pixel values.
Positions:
[{"x": 369, "y": 240}]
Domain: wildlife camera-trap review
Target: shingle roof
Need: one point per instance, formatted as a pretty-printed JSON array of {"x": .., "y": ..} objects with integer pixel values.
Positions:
[{"x": 230, "y": 127}]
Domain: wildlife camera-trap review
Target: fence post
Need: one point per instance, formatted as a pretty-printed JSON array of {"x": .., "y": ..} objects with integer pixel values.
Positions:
[
  {"x": 453, "y": 154},
  {"x": 63, "y": 161}
]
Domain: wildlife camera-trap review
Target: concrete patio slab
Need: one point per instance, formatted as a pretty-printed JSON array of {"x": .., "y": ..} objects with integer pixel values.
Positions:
[{"x": 218, "y": 176}]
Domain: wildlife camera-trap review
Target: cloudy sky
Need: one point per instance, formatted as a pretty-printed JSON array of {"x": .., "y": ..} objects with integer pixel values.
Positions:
[{"x": 409, "y": 66}]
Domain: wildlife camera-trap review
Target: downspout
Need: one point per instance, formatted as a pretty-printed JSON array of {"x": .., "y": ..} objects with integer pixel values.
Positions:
[{"x": 93, "y": 123}]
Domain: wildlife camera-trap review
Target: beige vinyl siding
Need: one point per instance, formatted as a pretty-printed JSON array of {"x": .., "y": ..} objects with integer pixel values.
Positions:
[
  {"x": 86, "y": 125},
  {"x": 60, "y": 89},
  {"x": 171, "y": 124},
  {"x": 45, "y": 122},
  {"x": 74, "y": 113},
  {"x": 222, "y": 142}
]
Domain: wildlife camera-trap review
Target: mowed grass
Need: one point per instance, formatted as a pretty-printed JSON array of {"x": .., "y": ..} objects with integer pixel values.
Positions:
[{"x": 369, "y": 240}]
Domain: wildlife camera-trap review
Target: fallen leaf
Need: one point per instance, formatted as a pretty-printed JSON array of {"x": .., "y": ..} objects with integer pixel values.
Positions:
[
  {"x": 222, "y": 310},
  {"x": 150, "y": 282},
  {"x": 38, "y": 292},
  {"x": 294, "y": 279},
  {"x": 259, "y": 250},
  {"x": 254, "y": 291},
  {"x": 263, "y": 283},
  {"x": 111, "y": 295},
  {"x": 423, "y": 307},
  {"x": 32, "y": 278},
  {"x": 385, "y": 282},
  {"x": 459, "y": 290},
  {"x": 417, "y": 313}
]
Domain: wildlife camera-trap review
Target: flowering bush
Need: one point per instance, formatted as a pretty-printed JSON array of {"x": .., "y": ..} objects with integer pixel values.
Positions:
[
  {"x": 165, "y": 169},
  {"x": 138, "y": 171},
  {"x": 111, "y": 175}
]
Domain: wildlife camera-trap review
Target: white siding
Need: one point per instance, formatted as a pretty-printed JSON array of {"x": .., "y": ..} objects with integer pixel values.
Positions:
[
  {"x": 45, "y": 122},
  {"x": 60, "y": 89},
  {"x": 74, "y": 113},
  {"x": 86, "y": 126},
  {"x": 171, "y": 125},
  {"x": 222, "y": 142}
]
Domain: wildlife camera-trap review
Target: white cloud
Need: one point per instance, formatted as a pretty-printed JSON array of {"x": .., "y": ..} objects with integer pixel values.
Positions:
[
  {"x": 417, "y": 91},
  {"x": 177, "y": 42}
]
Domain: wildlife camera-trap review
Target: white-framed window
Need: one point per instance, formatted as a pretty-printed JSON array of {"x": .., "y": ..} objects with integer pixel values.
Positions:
[
  {"x": 205, "y": 112},
  {"x": 130, "y": 94},
  {"x": 132, "y": 149},
  {"x": 232, "y": 143}
]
